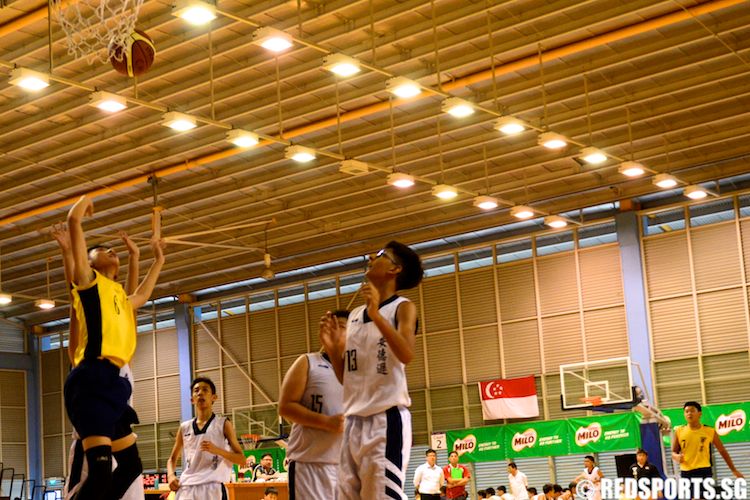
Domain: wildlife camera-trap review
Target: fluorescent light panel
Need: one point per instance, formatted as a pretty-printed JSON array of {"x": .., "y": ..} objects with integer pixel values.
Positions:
[
  {"x": 522, "y": 212},
  {"x": 272, "y": 39},
  {"x": 299, "y": 154},
  {"x": 107, "y": 101},
  {"x": 195, "y": 12},
  {"x": 403, "y": 87},
  {"x": 485, "y": 202},
  {"x": 44, "y": 303},
  {"x": 179, "y": 121},
  {"x": 29, "y": 79},
  {"x": 592, "y": 155},
  {"x": 695, "y": 192},
  {"x": 242, "y": 138},
  {"x": 444, "y": 192},
  {"x": 665, "y": 181},
  {"x": 552, "y": 140},
  {"x": 5, "y": 299},
  {"x": 509, "y": 125},
  {"x": 341, "y": 65},
  {"x": 555, "y": 221},
  {"x": 631, "y": 169},
  {"x": 401, "y": 180},
  {"x": 457, "y": 107}
]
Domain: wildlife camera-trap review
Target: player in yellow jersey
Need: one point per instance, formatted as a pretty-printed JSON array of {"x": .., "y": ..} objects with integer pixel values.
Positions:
[
  {"x": 96, "y": 396},
  {"x": 691, "y": 445}
]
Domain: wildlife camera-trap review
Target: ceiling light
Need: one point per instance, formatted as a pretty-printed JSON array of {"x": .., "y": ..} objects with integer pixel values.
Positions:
[
  {"x": 555, "y": 221},
  {"x": 551, "y": 140},
  {"x": 592, "y": 155},
  {"x": 29, "y": 79},
  {"x": 5, "y": 299},
  {"x": 354, "y": 167},
  {"x": 403, "y": 87},
  {"x": 631, "y": 169},
  {"x": 44, "y": 303},
  {"x": 242, "y": 138},
  {"x": 178, "y": 121},
  {"x": 457, "y": 107},
  {"x": 341, "y": 65},
  {"x": 485, "y": 202},
  {"x": 299, "y": 154},
  {"x": 444, "y": 192},
  {"x": 509, "y": 125},
  {"x": 267, "y": 273},
  {"x": 665, "y": 181},
  {"x": 522, "y": 212},
  {"x": 194, "y": 11},
  {"x": 272, "y": 39},
  {"x": 400, "y": 180},
  {"x": 695, "y": 192},
  {"x": 106, "y": 101}
]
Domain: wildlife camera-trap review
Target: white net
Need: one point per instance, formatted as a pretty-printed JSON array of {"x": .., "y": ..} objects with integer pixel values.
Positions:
[{"x": 95, "y": 29}]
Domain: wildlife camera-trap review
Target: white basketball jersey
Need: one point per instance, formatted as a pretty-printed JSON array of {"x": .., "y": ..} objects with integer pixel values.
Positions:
[
  {"x": 323, "y": 394},
  {"x": 374, "y": 378},
  {"x": 201, "y": 467}
]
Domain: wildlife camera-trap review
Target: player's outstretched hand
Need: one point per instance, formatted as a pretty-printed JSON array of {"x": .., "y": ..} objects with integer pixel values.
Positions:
[
  {"x": 129, "y": 244},
  {"x": 60, "y": 233},
  {"x": 84, "y": 207},
  {"x": 372, "y": 298},
  {"x": 331, "y": 336},
  {"x": 158, "y": 246}
]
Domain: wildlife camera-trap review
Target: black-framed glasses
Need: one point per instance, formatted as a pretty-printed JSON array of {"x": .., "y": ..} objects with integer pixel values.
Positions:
[{"x": 383, "y": 253}]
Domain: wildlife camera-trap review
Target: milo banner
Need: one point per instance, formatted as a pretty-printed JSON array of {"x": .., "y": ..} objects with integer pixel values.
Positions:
[
  {"x": 729, "y": 420},
  {"x": 482, "y": 444},
  {"x": 604, "y": 433},
  {"x": 536, "y": 439}
]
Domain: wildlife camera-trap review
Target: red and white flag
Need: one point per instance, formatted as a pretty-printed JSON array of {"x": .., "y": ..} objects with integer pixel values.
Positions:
[{"x": 509, "y": 398}]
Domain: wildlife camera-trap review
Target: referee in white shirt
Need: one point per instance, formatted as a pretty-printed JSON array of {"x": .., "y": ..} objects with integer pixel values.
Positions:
[{"x": 428, "y": 478}]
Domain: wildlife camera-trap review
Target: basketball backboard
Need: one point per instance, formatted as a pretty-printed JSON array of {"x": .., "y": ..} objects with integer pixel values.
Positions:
[{"x": 596, "y": 384}]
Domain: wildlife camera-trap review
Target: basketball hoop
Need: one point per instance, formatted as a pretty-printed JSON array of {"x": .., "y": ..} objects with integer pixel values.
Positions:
[
  {"x": 249, "y": 441},
  {"x": 592, "y": 400},
  {"x": 95, "y": 29}
]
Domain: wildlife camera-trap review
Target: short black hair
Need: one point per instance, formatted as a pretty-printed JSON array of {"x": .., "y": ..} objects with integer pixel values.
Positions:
[
  {"x": 96, "y": 247},
  {"x": 454, "y": 452},
  {"x": 557, "y": 488},
  {"x": 573, "y": 485},
  {"x": 429, "y": 450},
  {"x": 481, "y": 493},
  {"x": 531, "y": 490},
  {"x": 271, "y": 489},
  {"x": 341, "y": 313},
  {"x": 512, "y": 464},
  {"x": 501, "y": 489},
  {"x": 590, "y": 457},
  {"x": 490, "y": 491},
  {"x": 641, "y": 450},
  {"x": 266, "y": 455},
  {"x": 411, "y": 265},
  {"x": 694, "y": 404},
  {"x": 207, "y": 380},
  {"x": 548, "y": 487}
]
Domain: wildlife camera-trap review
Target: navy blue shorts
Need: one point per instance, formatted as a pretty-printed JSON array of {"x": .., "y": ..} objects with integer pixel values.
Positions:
[{"x": 96, "y": 399}]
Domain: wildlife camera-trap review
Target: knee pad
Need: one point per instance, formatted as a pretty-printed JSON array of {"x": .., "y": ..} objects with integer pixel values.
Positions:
[
  {"x": 99, "y": 479},
  {"x": 129, "y": 467}
]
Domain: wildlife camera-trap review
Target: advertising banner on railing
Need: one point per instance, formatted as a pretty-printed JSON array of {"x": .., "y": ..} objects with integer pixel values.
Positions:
[
  {"x": 605, "y": 433},
  {"x": 482, "y": 444},
  {"x": 536, "y": 439},
  {"x": 729, "y": 420}
]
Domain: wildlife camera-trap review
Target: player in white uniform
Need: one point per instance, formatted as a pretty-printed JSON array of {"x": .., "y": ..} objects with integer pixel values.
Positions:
[
  {"x": 371, "y": 362},
  {"x": 210, "y": 447},
  {"x": 592, "y": 474},
  {"x": 311, "y": 398}
]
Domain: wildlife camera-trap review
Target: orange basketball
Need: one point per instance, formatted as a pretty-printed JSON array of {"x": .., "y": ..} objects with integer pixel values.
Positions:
[{"x": 136, "y": 57}]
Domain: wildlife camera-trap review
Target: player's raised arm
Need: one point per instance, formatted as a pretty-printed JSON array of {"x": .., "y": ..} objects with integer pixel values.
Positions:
[
  {"x": 134, "y": 254},
  {"x": 60, "y": 233},
  {"x": 81, "y": 273},
  {"x": 333, "y": 340},
  {"x": 146, "y": 288}
]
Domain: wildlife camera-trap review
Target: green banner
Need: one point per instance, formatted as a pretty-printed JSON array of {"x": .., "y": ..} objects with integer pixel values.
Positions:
[
  {"x": 482, "y": 444},
  {"x": 536, "y": 439},
  {"x": 278, "y": 454},
  {"x": 729, "y": 420},
  {"x": 604, "y": 433}
]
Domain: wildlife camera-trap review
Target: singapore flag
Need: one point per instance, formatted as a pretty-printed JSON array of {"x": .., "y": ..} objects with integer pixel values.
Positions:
[{"x": 509, "y": 398}]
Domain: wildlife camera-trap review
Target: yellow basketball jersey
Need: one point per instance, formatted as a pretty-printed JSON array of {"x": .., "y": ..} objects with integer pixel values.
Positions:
[
  {"x": 106, "y": 325},
  {"x": 695, "y": 445}
]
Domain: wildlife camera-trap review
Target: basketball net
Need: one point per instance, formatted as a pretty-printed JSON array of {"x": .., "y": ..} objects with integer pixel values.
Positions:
[{"x": 95, "y": 29}]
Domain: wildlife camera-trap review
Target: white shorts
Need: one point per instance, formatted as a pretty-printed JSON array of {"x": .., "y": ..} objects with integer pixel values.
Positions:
[
  {"x": 78, "y": 473},
  {"x": 374, "y": 456},
  {"x": 309, "y": 480},
  {"x": 208, "y": 491}
]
